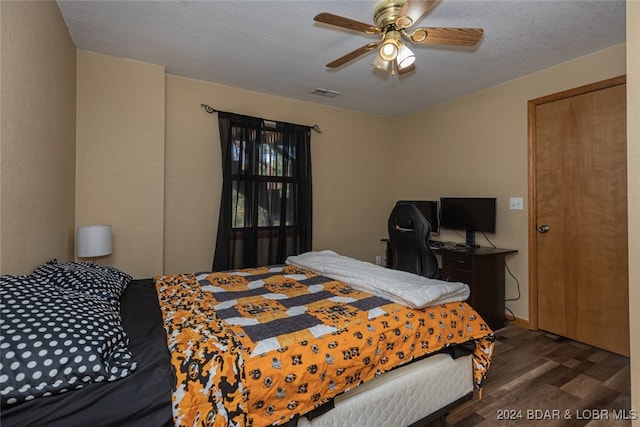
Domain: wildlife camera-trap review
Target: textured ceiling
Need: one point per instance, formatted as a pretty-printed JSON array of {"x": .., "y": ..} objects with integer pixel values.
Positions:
[{"x": 275, "y": 47}]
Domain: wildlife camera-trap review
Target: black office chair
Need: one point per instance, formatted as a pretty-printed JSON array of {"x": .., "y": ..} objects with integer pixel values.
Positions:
[{"x": 409, "y": 240}]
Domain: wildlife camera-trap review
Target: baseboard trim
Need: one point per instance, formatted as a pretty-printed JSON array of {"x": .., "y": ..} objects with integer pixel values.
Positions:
[{"x": 523, "y": 323}]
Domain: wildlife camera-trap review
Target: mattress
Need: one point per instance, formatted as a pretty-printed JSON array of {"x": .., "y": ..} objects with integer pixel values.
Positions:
[{"x": 401, "y": 397}]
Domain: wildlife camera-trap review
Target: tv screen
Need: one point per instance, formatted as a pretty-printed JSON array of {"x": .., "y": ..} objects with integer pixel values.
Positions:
[
  {"x": 429, "y": 209},
  {"x": 468, "y": 213}
]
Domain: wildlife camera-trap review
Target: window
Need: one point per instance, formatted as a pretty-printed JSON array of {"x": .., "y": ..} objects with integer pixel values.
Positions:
[
  {"x": 265, "y": 168},
  {"x": 265, "y": 211}
]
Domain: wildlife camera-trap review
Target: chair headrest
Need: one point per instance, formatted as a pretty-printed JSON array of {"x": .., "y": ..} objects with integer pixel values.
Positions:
[
  {"x": 407, "y": 217},
  {"x": 404, "y": 224}
]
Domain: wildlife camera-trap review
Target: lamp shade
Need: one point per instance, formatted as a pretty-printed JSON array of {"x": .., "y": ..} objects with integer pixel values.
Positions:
[
  {"x": 389, "y": 50},
  {"x": 405, "y": 58},
  {"x": 380, "y": 63},
  {"x": 389, "y": 47},
  {"x": 93, "y": 240}
]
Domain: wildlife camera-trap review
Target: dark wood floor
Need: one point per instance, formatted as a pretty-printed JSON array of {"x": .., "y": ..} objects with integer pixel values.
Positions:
[{"x": 540, "y": 379}]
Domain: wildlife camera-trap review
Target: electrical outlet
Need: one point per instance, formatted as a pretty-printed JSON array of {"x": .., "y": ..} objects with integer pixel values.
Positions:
[
  {"x": 515, "y": 203},
  {"x": 378, "y": 260}
]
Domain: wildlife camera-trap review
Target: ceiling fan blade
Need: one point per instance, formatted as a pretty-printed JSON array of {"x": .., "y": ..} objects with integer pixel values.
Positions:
[
  {"x": 350, "y": 24},
  {"x": 413, "y": 9},
  {"x": 352, "y": 55},
  {"x": 447, "y": 36}
]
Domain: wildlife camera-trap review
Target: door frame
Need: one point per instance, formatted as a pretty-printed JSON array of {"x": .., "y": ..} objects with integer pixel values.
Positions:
[{"x": 532, "y": 162}]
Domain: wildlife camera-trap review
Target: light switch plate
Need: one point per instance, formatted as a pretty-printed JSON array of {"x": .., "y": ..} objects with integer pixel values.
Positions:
[{"x": 516, "y": 203}]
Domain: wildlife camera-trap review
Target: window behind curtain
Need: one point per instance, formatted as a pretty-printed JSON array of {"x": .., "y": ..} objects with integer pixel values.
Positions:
[
  {"x": 267, "y": 167},
  {"x": 265, "y": 213}
]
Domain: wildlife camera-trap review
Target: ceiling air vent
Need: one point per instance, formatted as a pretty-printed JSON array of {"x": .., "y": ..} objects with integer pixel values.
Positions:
[{"x": 325, "y": 92}]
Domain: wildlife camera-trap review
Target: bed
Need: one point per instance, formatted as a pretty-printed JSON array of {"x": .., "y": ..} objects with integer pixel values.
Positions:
[{"x": 199, "y": 349}]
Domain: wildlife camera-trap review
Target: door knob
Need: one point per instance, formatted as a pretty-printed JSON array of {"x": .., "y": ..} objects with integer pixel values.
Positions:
[{"x": 543, "y": 229}]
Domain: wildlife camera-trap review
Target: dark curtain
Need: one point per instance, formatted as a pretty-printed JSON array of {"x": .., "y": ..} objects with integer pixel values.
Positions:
[{"x": 266, "y": 206}]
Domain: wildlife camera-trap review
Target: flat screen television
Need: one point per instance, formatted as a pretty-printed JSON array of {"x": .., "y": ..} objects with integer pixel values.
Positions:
[
  {"x": 470, "y": 214},
  {"x": 428, "y": 208}
]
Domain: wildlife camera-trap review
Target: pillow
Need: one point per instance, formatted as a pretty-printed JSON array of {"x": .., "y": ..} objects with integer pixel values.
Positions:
[
  {"x": 101, "y": 280},
  {"x": 53, "y": 340}
]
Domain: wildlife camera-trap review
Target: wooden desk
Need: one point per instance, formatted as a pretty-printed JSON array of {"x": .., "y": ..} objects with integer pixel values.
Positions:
[{"x": 483, "y": 270}]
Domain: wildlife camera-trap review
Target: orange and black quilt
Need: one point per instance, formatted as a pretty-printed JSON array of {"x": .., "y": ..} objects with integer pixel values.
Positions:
[{"x": 255, "y": 347}]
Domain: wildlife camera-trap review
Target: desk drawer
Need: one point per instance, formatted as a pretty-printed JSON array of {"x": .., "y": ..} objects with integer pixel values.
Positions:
[
  {"x": 451, "y": 274},
  {"x": 457, "y": 260}
]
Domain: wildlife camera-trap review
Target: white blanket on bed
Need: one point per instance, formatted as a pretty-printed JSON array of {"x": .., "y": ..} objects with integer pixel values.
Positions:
[{"x": 398, "y": 286}]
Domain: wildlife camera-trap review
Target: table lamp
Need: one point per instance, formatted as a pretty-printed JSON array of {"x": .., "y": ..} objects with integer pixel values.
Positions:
[{"x": 93, "y": 241}]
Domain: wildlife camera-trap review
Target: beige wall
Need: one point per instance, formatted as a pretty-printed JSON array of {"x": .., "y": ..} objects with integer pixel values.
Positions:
[
  {"x": 477, "y": 146},
  {"x": 120, "y": 170},
  {"x": 351, "y": 170},
  {"x": 120, "y": 157},
  {"x": 633, "y": 160},
  {"x": 37, "y": 141}
]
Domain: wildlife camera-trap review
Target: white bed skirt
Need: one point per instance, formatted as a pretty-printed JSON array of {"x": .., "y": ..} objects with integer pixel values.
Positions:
[{"x": 401, "y": 397}]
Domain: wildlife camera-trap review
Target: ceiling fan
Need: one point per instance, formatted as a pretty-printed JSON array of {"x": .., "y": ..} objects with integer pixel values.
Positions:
[{"x": 392, "y": 21}]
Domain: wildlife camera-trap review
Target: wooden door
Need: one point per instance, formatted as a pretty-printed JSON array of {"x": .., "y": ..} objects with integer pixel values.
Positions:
[{"x": 580, "y": 188}]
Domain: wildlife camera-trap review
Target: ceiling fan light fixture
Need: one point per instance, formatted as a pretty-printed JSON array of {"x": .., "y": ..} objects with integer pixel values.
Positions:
[
  {"x": 390, "y": 46},
  {"x": 389, "y": 50},
  {"x": 380, "y": 63},
  {"x": 405, "y": 58}
]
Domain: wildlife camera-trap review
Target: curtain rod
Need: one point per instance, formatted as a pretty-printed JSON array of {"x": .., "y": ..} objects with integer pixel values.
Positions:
[{"x": 212, "y": 110}]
